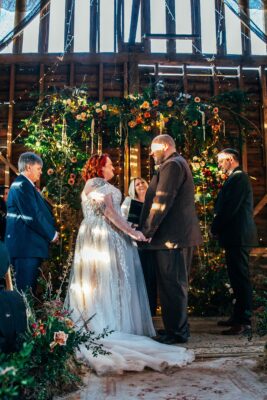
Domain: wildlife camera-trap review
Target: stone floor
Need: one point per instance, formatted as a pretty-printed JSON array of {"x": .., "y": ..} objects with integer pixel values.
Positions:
[{"x": 224, "y": 369}]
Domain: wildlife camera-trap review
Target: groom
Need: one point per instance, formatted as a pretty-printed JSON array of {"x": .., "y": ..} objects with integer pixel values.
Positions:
[
  {"x": 30, "y": 223},
  {"x": 169, "y": 220}
]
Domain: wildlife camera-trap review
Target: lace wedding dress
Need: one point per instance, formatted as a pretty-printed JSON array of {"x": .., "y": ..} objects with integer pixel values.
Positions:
[{"x": 107, "y": 280}]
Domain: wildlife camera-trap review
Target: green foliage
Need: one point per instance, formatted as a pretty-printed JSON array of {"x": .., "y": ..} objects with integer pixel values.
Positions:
[{"x": 46, "y": 365}]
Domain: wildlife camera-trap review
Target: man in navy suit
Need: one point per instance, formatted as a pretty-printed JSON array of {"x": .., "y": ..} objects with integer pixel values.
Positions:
[
  {"x": 30, "y": 224},
  {"x": 234, "y": 226}
]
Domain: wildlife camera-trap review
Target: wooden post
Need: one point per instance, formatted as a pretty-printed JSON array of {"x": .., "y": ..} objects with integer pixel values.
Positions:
[
  {"x": 41, "y": 82},
  {"x": 10, "y": 122},
  {"x": 196, "y": 25},
  {"x": 125, "y": 80},
  {"x": 19, "y": 15},
  {"x": 263, "y": 83},
  {"x": 185, "y": 82},
  {"x": 69, "y": 26},
  {"x": 220, "y": 27},
  {"x": 170, "y": 26},
  {"x": 44, "y": 28},
  {"x": 243, "y": 140},
  {"x": 93, "y": 26},
  {"x": 145, "y": 23},
  {"x": 245, "y": 37},
  {"x": 72, "y": 74}
]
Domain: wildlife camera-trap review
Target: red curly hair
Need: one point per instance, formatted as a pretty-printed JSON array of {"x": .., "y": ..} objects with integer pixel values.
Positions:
[{"x": 93, "y": 167}]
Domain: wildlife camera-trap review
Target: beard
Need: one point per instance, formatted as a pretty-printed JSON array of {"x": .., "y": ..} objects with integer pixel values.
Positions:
[{"x": 159, "y": 159}]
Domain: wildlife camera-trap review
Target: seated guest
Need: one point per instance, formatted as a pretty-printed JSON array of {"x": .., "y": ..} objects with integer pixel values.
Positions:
[
  {"x": 30, "y": 224},
  {"x": 3, "y": 199},
  {"x": 137, "y": 191}
]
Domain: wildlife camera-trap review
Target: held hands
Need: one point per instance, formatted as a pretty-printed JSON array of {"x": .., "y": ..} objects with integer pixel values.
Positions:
[{"x": 138, "y": 235}]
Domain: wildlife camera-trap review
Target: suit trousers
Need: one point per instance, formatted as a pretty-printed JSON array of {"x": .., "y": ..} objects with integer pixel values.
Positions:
[
  {"x": 147, "y": 258},
  {"x": 26, "y": 272},
  {"x": 237, "y": 261},
  {"x": 173, "y": 267}
]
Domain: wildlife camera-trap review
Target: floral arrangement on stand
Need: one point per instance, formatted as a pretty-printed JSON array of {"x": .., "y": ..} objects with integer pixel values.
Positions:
[{"x": 67, "y": 127}]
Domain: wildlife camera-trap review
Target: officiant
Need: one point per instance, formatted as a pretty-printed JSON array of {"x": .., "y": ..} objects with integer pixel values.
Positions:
[{"x": 131, "y": 210}]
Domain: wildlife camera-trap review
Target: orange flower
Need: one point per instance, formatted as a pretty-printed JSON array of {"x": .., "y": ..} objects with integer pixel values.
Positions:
[
  {"x": 50, "y": 171},
  {"x": 215, "y": 110},
  {"x": 71, "y": 181},
  {"x": 195, "y": 123},
  {"x": 69, "y": 323},
  {"x": 197, "y": 99},
  {"x": 170, "y": 103},
  {"x": 132, "y": 124},
  {"x": 166, "y": 119},
  {"x": 147, "y": 128},
  {"x": 155, "y": 103},
  {"x": 145, "y": 104},
  {"x": 147, "y": 114},
  {"x": 139, "y": 120},
  {"x": 72, "y": 176},
  {"x": 73, "y": 160}
]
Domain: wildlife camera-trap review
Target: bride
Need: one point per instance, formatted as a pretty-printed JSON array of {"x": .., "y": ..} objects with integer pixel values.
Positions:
[{"x": 106, "y": 280}]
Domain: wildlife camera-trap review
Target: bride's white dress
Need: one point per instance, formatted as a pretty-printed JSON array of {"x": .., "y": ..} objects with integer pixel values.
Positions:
[{"x": 107, "y": 280}]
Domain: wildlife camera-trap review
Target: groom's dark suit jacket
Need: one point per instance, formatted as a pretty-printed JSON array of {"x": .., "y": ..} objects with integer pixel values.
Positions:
[
  {"x": 233, "y": 222},
  {"x": 169, "y": 214},
  {"x": 30, "y": 223}
]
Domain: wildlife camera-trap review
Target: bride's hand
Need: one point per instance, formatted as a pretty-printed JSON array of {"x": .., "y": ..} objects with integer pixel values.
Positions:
[{"x": 138, "y": 235}]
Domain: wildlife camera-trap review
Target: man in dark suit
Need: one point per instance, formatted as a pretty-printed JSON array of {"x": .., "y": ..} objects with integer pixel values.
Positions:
[
  {"x": 30, "y": 223},
  {"x": 169, "y": 220},
  {"x": 234, "y": 226}
]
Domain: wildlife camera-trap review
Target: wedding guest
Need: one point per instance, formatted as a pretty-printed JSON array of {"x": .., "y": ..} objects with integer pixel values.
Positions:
[
  {"x": 137, "y": 191},
  {"x": 107, "y": 280},
  {"x": 30, "y": 224},
  {"x": 170, "y": 221},
  {"x": 234, "y": 226},
  {"x": 3, "y": 199}
]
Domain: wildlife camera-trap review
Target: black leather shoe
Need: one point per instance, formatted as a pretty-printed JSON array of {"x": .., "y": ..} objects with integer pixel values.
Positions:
[
  {"x": 170, "y": 339},
  {"x": 238, "y": 330},
  {"x": 227, "y": 322}
]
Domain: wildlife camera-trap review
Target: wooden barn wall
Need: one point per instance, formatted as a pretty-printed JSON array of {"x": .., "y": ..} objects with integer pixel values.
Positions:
[{"x": 26, "y": 80}]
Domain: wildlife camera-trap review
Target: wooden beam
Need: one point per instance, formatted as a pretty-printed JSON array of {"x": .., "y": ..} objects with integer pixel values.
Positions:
[
  {"x": 261, "y": 204},
  {"x": 141, "y": 58},
  {"x": 263, "y": 84},
  {"x": 100, "y": 82},
  {"x": 243, "y": 143},
  {"x": 72, "y": 75},
  {"x": 41, "y": 82},
  {"x": 220, "y": 27},
  {"x": 145, "y": 23},
  {"x": 119, "y": 25},
  {"x": 10, "y": 122},
  {"x": 69, "y": 26},
  {"x": 125, "y": 79},
  {"x": 245, "y": 31},
  {"x": 93, "y": 26},
  {"x": 19, "y": 15},
  {"x": 134, "y": 21},
  {"x": 9, "y": 165},
  {"x": 44, "y": 28},
  {"x": 185, "y": 81},
  {"x": 170, "y": 26},
  {"x": 133, "y": 74},
  {"x": 196, "y": 26}
]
